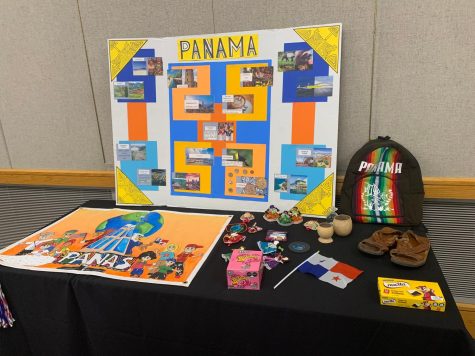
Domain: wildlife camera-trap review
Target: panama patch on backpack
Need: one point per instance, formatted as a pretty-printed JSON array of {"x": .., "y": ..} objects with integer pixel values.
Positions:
[{"x": 383, "y": 184}]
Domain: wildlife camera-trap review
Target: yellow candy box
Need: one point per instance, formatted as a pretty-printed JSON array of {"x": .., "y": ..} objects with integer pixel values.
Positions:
[{"x": 410, "y": 294}]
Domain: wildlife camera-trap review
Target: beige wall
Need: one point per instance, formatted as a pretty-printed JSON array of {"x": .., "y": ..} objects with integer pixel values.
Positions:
[
  {"x": 424, "y": 82},
  {"x": 406, "y": 72}
]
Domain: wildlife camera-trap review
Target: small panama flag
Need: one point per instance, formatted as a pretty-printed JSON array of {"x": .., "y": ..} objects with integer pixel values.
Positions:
[{"x": 330, "y": 270}]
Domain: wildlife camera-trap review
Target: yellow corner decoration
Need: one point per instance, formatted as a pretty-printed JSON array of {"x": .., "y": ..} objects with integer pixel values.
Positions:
[
  {"x": 121, "y": 52},
  {"x": 318, "y": 201},
  {"x": 128, "y": 192},
  {"x": 325, "y": 41}
]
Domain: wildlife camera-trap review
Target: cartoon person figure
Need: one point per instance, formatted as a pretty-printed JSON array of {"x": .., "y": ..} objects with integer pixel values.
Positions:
[
  {"x": 65, "y": 236},
  {"x": 169, "y": 253},
  {"x": 134, "y": 241},
  {"x": 61, "y": 251},
  {"x": 45, "y": 248},
  {"x": 159, "y": 241},
  {"x": 428, "y": 292},
  {"x": 44, "y": 237},
  {"x": 182, "y": 257},
  {"x": 142, "y": 261},
  {"x": 161, "y": 269}
]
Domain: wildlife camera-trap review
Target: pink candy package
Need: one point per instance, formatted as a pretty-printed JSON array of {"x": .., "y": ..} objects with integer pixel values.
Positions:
[{"x": 245, "y": 270}]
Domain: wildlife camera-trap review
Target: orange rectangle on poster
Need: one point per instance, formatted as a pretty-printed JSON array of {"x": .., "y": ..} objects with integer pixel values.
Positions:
[
  {"x": 137, "y": 121},
  {"x": 303, "y": 123},
  {"x": 179, "y": 94},
  {"x": 258, "y": 168}
]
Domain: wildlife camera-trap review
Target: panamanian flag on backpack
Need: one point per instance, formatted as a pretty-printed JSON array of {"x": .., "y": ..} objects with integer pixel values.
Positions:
[{"x": 330, "y": 270}]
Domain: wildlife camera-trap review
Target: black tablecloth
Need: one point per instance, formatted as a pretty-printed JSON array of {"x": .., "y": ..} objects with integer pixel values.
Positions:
[{"x": 68, "y": 314}]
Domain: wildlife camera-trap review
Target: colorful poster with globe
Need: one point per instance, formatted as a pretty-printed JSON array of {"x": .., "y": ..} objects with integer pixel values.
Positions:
[{"x": 160, "y": 246}]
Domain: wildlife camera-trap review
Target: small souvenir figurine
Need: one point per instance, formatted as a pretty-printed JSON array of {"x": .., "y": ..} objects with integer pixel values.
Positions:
[
  {"x": 226, "y": 256},
  {"x": 273, "y": 235},
  {"x": 233, "y": 238},
  {"x": 270, "y": 262},
  {"x": 281, "y": 258},
  {"x": 254, "y": 228},
  {"x": 236, "y": 228},
  {"x": 284, "y": 219},
  {"x": 246, "y": 217},
  {"x": 271, "y": 214},
  {"x": 267, "y": 247},
  {"x": 311, "y": 225},
  {"x": 295, "y": 215}
]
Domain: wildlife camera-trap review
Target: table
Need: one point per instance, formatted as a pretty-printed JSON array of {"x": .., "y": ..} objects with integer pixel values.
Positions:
[{"x": 67, "y": 314}]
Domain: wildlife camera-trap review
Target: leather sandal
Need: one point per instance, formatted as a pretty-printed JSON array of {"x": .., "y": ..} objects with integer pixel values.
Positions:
[
  {"x": 380, "y": 241},
  {"x": 411, "y": 250}
]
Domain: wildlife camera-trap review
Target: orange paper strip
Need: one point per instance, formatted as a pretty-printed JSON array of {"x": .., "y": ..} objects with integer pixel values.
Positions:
[
  {"x": 137, "y": 121},
  {"x": 303, "y": 123}
]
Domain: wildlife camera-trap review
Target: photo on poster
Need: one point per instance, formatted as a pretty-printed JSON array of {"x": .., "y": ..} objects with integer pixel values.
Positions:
[
  {"x": 237, "y": 157},
  {"x": 286, "y": 61},
  {"x": 314, "y": 87},
  {"x": 159, "y": 177},
  {"x": 218, "y": 131},
  {"x": 186, "y": 181},
  {"x": 257, "y": 76},
  {"x": 174, "y": 78},
  {"x": 144, "y": 177},
  {"x": 138, "y": 151},
  {"x": 226, "y": 131},
  {"x": 154, "y": 66},
  {"x": 281, "y": 183},
  {"x": 322, "y": 157},
  {"x": 139, "y": 66},
  {"x": 251, "y": 185},
  {"x": 210, "y": 131},
  {"x": 199, "y": 156},
  {"x": 120, "y": 90},
  {"x": 179, "y": 181},
  {"x": 200, "y": 104},
  {"x": 135, "y": 90},
  {"x": 123, "y": 152},
  {"x": 304, "y": 157},
  {"x": 304, "y": 60},
  {"x": 298, "y": 184},
  {"x": 295, "y": 60},
  {"x": 182, "y": 78},
  {"x": 193, "y": 181},
  {"x": 238, "y": 104},
  {"x": 314, "y": 157}
]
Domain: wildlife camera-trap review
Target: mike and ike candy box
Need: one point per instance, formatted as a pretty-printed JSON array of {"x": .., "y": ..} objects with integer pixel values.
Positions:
[{"x": 410, "y": 294}]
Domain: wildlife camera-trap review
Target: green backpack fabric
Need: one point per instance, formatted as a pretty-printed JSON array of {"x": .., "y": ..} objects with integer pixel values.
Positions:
[{"x": 383, "y": 185}]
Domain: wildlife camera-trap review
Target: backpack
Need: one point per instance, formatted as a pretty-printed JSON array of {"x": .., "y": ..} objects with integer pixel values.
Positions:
[{"x": 383, "y": 185}]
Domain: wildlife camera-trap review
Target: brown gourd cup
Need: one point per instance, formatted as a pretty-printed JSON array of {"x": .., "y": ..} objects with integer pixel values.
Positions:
[
  {"x": 325, "y": 231},
  {"x": 342, "y": 224}
]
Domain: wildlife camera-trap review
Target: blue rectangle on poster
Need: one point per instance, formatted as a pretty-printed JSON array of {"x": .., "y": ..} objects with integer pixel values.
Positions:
[
  {"x": 146, "y": 158},
  {"x": 292, "y": 78},
  {"x": 143, "y": 93}
]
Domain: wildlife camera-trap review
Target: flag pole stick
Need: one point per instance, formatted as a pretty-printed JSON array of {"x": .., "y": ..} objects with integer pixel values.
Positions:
[{"x": 287, "y": 276}]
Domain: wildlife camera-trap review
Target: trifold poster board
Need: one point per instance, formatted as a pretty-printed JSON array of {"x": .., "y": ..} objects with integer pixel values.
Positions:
[
  {"x": 227, "y": 121},
  {"x": 159, "y": 246}
]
